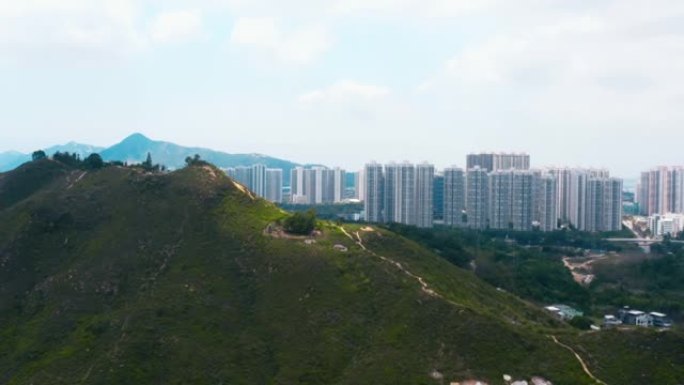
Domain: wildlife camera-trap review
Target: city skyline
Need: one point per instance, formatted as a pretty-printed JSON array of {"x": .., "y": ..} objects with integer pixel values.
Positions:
[{"x": 575, "y": 83}]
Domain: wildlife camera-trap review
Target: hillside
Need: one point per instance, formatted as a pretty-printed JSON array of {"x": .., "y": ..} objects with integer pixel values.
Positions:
[
  {"x": 119, "y": 276},
  {"x": 134, "y": 149}
]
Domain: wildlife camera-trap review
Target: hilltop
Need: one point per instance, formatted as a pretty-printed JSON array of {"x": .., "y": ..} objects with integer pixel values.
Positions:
[{"x": 121, "y": 275}]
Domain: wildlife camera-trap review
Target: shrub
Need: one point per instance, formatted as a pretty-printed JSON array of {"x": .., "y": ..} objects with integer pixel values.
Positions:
[{"x": 300, "y": 223}]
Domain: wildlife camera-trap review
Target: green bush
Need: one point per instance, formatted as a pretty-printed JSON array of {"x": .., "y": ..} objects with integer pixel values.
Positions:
[
  {"x": 582, "y": 323},
  {"x": 300, "y": 223}
]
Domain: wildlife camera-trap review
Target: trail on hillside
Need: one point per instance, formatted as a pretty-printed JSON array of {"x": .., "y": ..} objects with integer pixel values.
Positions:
[
  {"x": 424, "y": 286},
  {"x": 581, "y": 361}
]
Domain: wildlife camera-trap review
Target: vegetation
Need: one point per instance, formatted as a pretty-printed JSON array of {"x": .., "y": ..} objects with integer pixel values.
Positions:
[
  {"x": 530, "y": 265},
  {"x": 656, "y": 283},
  {"x": 178, "y": 283},
  {"x": 581, "y": 322},
  {"x": 300, "y": 223},
  {"x": 38, "y": 155},
  {"x": 533, "y": 271},
  {"x": 334, "y": 212}
]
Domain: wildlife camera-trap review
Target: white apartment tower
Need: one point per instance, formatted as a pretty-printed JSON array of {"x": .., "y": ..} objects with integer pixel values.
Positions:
[
  {"x": 274, "y": 185},
  {"x": 500, "y": 200},
  {"x": 547, "y": 195},
  {"x": 425, "y": 174},
  {"x": 373, "y": 182},
  {"x": 604, "y": 205},
  {"x": 477, "y": 192},
  {"x": 454, "y": 197},
  {"x": 339, "y": 184},
  {"x": 400, "y": 193},
  {"x": 661, "y": 191}
]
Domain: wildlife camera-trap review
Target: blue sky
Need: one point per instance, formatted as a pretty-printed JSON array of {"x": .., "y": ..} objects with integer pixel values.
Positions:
[{"x": 586, "y": 83}]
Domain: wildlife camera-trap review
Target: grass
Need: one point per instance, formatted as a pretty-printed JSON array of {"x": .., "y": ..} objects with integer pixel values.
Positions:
[{"x": 133, "y": 277}]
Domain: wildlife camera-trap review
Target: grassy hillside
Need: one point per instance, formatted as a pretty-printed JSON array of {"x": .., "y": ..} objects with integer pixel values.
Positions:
[{"x": 119, "y": 276}]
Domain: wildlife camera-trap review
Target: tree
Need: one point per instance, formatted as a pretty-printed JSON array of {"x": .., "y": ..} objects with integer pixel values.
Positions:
[
  {"x": 581, "y": 322},
  {"x": 68, "y": 159},
  {"x": 38, "y": 155},
  {"x": 94, "y": 161},
  {"x": 301, "y": 223},
  {"x": 194, "y": 161},
  {"x": 148, "y": 162}
]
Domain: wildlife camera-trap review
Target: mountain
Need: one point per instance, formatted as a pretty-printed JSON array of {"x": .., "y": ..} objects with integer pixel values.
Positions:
[
  {"x": 72, "y": 147},
  {"x": 134, "y": 149},
  {"x": 12, "y": 159},
  {"x": 120, "y": 276}
]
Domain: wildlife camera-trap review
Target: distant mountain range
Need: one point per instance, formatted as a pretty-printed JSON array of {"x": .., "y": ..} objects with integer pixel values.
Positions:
[{"x": 134, "y": 149}]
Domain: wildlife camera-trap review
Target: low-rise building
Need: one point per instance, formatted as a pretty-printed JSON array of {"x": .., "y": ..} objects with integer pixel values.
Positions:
[
  {"x": 564, "y": 312},
  {"x": 661, "y": 320},
  {"x": 610, "y": 320}
]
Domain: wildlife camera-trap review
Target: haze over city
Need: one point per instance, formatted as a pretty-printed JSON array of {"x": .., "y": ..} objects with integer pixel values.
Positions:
[{"x": 343, "y": 82}]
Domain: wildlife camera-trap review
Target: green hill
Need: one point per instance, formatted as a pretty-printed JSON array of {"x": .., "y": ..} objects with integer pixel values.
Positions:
[{"x": 119, "y": 276}]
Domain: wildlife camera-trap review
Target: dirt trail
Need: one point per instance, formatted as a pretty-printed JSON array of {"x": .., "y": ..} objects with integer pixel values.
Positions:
[
  {"x": 581, "y": 361},
  {"x": 424, "y": 286},
  {"x": 77, "y": 180}
]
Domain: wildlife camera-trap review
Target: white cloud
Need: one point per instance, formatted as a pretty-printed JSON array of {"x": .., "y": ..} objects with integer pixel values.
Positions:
[
  {"x": 258, "y": 32},
  {"x": 176, "y": 26},
  {"x": 297, "y": 46},
  {"x": 40, "y": 31},
  {"x": 410, "y": 8},
  {"x": 345, "y": 91}
]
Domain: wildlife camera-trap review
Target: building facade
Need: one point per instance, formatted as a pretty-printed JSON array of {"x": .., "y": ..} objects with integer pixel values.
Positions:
[
  {"x": 477, "y": 198},
  {"x": 374, "y": 189},
  {"x": 454, "y": 197},
  {"x": 424, "y": 195}
]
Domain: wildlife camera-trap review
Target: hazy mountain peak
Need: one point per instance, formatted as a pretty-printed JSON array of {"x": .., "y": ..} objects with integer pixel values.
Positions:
[{"x": 136, "y": 138}]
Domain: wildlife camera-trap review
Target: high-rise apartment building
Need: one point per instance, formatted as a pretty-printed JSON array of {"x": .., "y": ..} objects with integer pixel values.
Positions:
[
  {"x": 512, "y": 199},
  {"x": 572, "y": 190},
  {"x": 255, "y": 179},
  {"x": 258, "y": 179},
  {"x": 477, "y": 197},
  {"x": 661, "y": 191},
  {"x": 339, "y": 180},
  {"x": 424, "y": 198},
  {"x": 360, "y": 184},
  {"x": 523, "y": 199},
  {"x": 400, "y": 190},
  {"x": 274, "y": 185},
  {"x": 498, "y": 161},
  {"x": 438, "y": 197},
  {"x": 500, "y": 199},
  {"x": 317, "y": 185},
  {"x": 454, "y": 197},
  {"x": 374, "y": 186},
  {"x": 604, "y": 205},
  {"x": 547, "y": 198}
]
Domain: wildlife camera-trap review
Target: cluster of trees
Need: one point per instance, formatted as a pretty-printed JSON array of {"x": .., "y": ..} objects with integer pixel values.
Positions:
[
  {"x": 195, "y": 161},
  {"x": 300, "y": 223},
  {"x": 94, "y": 161},
  {"x": 333, "y": 211}
]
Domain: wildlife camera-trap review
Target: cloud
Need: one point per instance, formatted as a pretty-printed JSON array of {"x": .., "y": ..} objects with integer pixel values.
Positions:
[
  {"x": 410, "y": 8},
  {"x": 345, "y": 91},
  {"x": 176, "y": 26},
  {"x": 81, "y": 31},
  {"x": 39, "y": 32},
  {"x": 296, "y": 46}
]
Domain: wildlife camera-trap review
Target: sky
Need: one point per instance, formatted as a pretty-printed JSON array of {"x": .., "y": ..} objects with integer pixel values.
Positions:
[{"x": 341, "y": 82}]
